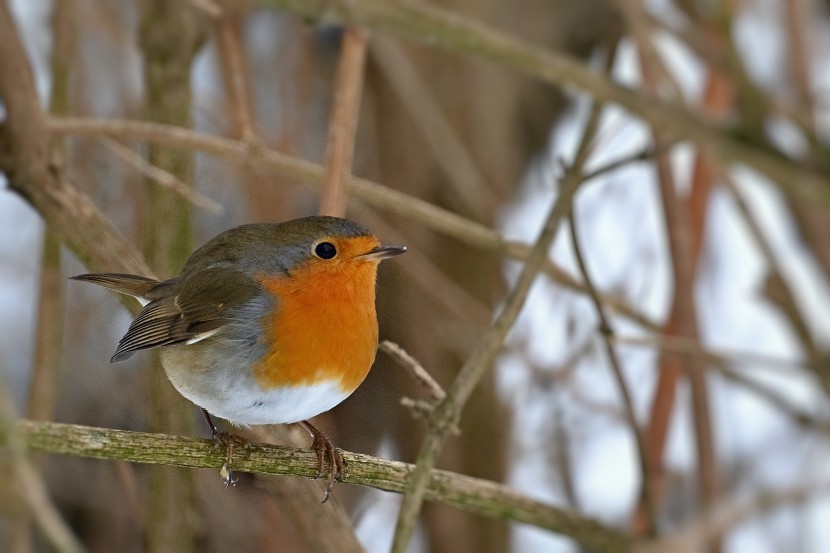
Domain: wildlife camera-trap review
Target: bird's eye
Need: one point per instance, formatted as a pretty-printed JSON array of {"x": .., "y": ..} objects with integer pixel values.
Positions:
[{"x": 325, "y": 250}]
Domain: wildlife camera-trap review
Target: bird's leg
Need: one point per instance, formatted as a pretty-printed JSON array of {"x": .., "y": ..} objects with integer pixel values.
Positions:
[
  {"x": 229, "y": 441},
  {"x": 324, "y": 448}
]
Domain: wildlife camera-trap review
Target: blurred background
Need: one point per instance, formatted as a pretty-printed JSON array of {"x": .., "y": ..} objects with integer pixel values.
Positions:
[{"x": 713, "y": 277}]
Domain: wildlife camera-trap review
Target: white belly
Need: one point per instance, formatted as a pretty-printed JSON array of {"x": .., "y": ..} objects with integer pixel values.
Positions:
[
  {"x": 280, "y": 406},
  {"x": 234, "y": 395}
]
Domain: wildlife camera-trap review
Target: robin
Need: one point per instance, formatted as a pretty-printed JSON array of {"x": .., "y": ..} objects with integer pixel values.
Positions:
[{"x": 267, "y": 324}]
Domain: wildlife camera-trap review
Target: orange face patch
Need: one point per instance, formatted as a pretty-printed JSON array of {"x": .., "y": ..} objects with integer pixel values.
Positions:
[{"x": 325, "y": 325}]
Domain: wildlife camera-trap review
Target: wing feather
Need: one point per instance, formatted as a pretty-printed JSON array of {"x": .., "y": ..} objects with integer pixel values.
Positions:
[{"x": 200, "y": 305}]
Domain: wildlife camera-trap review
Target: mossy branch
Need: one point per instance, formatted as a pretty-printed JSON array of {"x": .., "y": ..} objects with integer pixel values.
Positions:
[{"x": 470, "y": 494}]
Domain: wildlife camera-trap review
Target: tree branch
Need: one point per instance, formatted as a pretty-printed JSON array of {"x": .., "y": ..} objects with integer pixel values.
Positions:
[
  {"x": 345, "y": 114},
  {"x": 26, "y": 159},
  {"x": 442, "y": 28},
  {"x": 470, "y": 494}
]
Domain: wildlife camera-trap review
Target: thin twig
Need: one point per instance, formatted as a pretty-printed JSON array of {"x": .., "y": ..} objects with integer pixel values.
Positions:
[
  {"x": 797, "y": 17},
  {"x": 414, "y": 368},
  {"x": 731, "y": 512},
  {"x": 721, "y": 362},
  {"x": 162, "y": 177},
  {"x": 689, "y": 346},
  {"x": 639, "y": 28},
  {"x": 345, "y": 111},
  {"x": 464, "y": 492},
  {"x": 784, "y": 296},
  {"x": 607, "y": 332},
  {"x": 233, "y": 68},
  {"x": 449, "y": 151}
]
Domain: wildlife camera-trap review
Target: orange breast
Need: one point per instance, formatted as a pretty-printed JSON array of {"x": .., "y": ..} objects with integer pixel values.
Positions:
[{"x": 324, "y": 329}]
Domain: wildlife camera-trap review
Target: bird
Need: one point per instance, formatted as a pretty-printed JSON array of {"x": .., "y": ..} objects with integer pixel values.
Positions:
[{"x": 267, "y": 323}]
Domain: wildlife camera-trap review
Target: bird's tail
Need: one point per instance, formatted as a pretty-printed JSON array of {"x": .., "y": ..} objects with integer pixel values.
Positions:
[{"x": 132, "y": 285}]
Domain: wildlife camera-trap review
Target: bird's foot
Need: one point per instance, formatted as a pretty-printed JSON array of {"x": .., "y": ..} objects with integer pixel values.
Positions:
[
  {"x": 326, "y": 451},
  {"x": 229, "y": 442}
]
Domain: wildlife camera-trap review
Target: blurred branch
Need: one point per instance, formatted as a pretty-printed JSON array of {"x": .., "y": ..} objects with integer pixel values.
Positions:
[
  {"x": 799, "y": 58},
  {"x": 377, "y": 195},
  {"x": 162, "y": 177},
  {"x": 777, "y": 288},
  {"x": 471, "y": 494},
  {"x": 420, "y": 408},
  {"x": 435, "y": 26},
  {"x": 639, "y": 27},
  {"x": 169, "y": 36},
  {"x": 226, "y": 26},
  {"x": 688, "y": 346},
  {"x": 51, "y": 297},
  {"x": 52, "y": 289},
  {"x": 684, "y": 220},
  {"x": 447, "y": 147},
  {"x": 605, "y": 329},
  {"x": 729, "y": 513},
  {"x": 416, "y": 371},
  {"x": 607, "y": 333},
  {"x": 446, "y": 415},
  {"x": 26, "y": 159},
  {"x": 345, "y": 112},
  {"x": 721, "y": 363},
  {"x": 28, "y": 482}
]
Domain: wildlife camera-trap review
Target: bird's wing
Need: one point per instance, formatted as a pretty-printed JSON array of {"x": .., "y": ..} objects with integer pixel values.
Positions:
[{"x": 196, "y": 307}]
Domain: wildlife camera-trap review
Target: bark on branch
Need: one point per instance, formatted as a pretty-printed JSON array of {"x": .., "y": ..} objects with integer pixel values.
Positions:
[{"x": 464, "y": 492}]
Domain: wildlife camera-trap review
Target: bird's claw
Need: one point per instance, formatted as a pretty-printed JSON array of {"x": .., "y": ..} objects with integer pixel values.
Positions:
[
  {"x": 327, "y": 452},
  {"x": 230, "y": 442}
]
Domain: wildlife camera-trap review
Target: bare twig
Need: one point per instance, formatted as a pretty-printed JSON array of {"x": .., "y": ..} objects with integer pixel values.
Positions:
[
  {"x": 689, "y": 346},
  {"x": 797, "y": 18},
  {"x": 471, "y": 494},
  {"x": 639, "y": 27},
  {"x": 604, "y": 324},
  {"x": 414, "y": 368},
  {"x": 169, "y": 37},
  {"x": 606, "y": 332},
  {"x": 784, "y": 297},
  {"x": 420, "y": 408},
  {"x": 446, "y": 146},
  {"x": 729, "y": 513},
  {"x": 233, "y": 66},
  {"x": 722, "y": 362},
  {"x": 348, "y": 90},
  {"x": 52, "y": 291},
  {"x": 162, "y": 177}
]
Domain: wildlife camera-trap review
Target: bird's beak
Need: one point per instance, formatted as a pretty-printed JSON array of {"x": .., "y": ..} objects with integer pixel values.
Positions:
[{"x": 382, "y": 252}]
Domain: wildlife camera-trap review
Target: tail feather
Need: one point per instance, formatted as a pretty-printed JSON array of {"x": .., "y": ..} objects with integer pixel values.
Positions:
[{"x": 132, "y": 285}]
